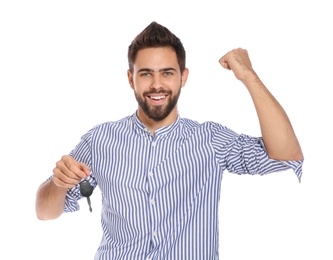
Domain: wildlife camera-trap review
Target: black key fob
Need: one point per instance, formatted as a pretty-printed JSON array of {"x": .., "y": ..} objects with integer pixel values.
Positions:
[{"x": 86, "y": 190}]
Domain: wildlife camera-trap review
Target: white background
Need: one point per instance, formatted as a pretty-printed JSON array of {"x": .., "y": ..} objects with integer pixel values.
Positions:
[{"x": 63, "y": 70}]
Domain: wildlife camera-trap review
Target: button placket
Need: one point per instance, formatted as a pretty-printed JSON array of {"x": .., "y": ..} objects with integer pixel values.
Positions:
[{"x": 152, "y": 185}]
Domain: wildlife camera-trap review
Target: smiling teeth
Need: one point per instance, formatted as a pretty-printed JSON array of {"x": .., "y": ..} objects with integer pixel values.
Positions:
[{"x": 158, "y": 97}]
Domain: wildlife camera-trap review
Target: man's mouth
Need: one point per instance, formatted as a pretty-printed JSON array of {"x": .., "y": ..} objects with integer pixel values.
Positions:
[{"x": 157, "y": 97}]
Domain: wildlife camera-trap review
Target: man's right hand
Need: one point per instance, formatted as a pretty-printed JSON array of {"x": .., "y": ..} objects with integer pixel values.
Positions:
[{"x": 68, "y": 172}]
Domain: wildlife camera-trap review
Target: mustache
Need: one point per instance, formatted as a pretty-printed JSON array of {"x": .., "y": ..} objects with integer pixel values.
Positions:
[{"x": 157, "y": 91}]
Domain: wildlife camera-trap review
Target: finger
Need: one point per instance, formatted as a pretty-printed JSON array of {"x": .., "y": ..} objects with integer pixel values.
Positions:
[
  {"x": 72, "y": 167},
  {"x": 59, "y": 181},
  {"x": 69, "y": 171},
  {"x": 63, "y": 179},
  {"x": 85, "y": 169}
]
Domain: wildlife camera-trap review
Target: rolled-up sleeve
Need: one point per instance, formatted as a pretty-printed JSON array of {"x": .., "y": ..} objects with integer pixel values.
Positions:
[{"x": 244, "y": 154}]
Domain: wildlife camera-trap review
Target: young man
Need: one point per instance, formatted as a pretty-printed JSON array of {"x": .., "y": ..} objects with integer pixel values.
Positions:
[{"x": 159, "y": 174}]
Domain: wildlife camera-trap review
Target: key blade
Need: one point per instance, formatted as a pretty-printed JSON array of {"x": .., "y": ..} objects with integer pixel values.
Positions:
[{"x": 89, "y": 204}]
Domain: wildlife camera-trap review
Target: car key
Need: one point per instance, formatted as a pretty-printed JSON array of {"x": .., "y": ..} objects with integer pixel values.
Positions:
[{"x": 86, "y": 190}]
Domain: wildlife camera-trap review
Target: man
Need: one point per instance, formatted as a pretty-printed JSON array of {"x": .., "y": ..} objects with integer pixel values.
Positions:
[{"x": 159, "y": 174}]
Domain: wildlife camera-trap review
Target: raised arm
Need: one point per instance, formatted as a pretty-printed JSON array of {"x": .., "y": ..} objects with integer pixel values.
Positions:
[
  {"x": 50, "y": 197},
  {"x": 276, "y": 129}
]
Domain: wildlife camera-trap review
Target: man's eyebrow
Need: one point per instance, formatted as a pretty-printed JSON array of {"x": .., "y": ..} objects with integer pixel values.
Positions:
[
  {"x": 145, "y": 70},
  {"x": 167, "y": 69},
  {"x": 151, "y": 70}
]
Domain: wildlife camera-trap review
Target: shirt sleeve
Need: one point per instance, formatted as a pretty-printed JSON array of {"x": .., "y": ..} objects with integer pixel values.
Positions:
[
  {"x": 244, "y": 154},
  {"x": 81, "y": 153}
]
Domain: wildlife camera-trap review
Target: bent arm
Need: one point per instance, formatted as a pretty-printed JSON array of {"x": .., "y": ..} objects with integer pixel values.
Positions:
[
  {"x": 51, "y": 195},
  {"x": 277, "y": 132}
]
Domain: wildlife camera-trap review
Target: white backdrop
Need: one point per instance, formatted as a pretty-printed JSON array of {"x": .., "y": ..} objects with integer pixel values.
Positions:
[{"x": 63, "y": 70}]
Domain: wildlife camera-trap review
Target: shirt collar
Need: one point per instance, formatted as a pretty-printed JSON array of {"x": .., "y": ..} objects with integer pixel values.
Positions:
[{"x": 160, "y": 131}]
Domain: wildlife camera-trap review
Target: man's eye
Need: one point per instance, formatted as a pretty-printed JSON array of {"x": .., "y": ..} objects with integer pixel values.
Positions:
[
  {"x": 168, "y": 73},
  {"x": 146, "y": 74}
]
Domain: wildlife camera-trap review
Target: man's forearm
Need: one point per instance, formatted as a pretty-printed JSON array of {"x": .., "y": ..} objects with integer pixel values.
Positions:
[
  {"x": 50, "y": 201},
  {"x": 277, "y": 132}
]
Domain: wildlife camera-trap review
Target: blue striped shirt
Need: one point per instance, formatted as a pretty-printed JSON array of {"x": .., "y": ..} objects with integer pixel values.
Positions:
[{"x": 160, "y": 193}]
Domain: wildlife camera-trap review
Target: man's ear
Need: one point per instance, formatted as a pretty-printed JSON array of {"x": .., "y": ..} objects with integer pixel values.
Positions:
[
  {"x": 184, "y": 77},
  {"x": 130, "y": 78}
]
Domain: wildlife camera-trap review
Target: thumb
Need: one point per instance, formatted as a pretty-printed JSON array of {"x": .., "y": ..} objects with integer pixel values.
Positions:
[
  {"x": 224, "y": 63},
  {"x": 85, "y": 168}
]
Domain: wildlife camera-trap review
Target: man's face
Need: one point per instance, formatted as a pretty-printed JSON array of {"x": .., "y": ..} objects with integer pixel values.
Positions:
[{"x": 157, "y": 82}]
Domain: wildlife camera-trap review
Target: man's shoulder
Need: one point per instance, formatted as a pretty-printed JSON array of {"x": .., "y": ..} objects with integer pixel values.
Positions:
[
  {"x": 119, "y": 124},
  {"x": 190, "y": 123},
  {"x": 124, "y": 120}
]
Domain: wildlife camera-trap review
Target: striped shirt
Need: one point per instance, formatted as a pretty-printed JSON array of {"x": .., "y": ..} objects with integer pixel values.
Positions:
[{"x": 160, "y": 193}]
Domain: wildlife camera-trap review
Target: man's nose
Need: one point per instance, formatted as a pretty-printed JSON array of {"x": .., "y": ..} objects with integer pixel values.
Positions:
[{"x": 156, "y": 82}]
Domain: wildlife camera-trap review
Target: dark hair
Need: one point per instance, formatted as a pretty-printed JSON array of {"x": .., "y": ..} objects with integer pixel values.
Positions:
[{"x": 156, "y": 35}]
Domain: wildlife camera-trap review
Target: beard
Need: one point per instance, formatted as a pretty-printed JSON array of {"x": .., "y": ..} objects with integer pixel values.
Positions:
[{"x": 157, "y": 113}]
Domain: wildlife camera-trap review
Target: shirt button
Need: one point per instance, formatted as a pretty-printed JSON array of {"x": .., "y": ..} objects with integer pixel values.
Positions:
[
  {"x": 150, "y": 173},
  {"x": 152, "y": 201},
  {"x": 153, "y": 144},
  {"x": 154, "y": 233}
]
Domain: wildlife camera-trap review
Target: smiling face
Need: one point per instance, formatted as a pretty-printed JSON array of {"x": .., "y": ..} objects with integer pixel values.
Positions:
[{"x": 157, "y": 82}]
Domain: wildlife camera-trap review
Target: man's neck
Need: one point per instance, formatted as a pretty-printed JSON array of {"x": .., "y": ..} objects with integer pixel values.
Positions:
[{"x": 153, "y": 125}]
